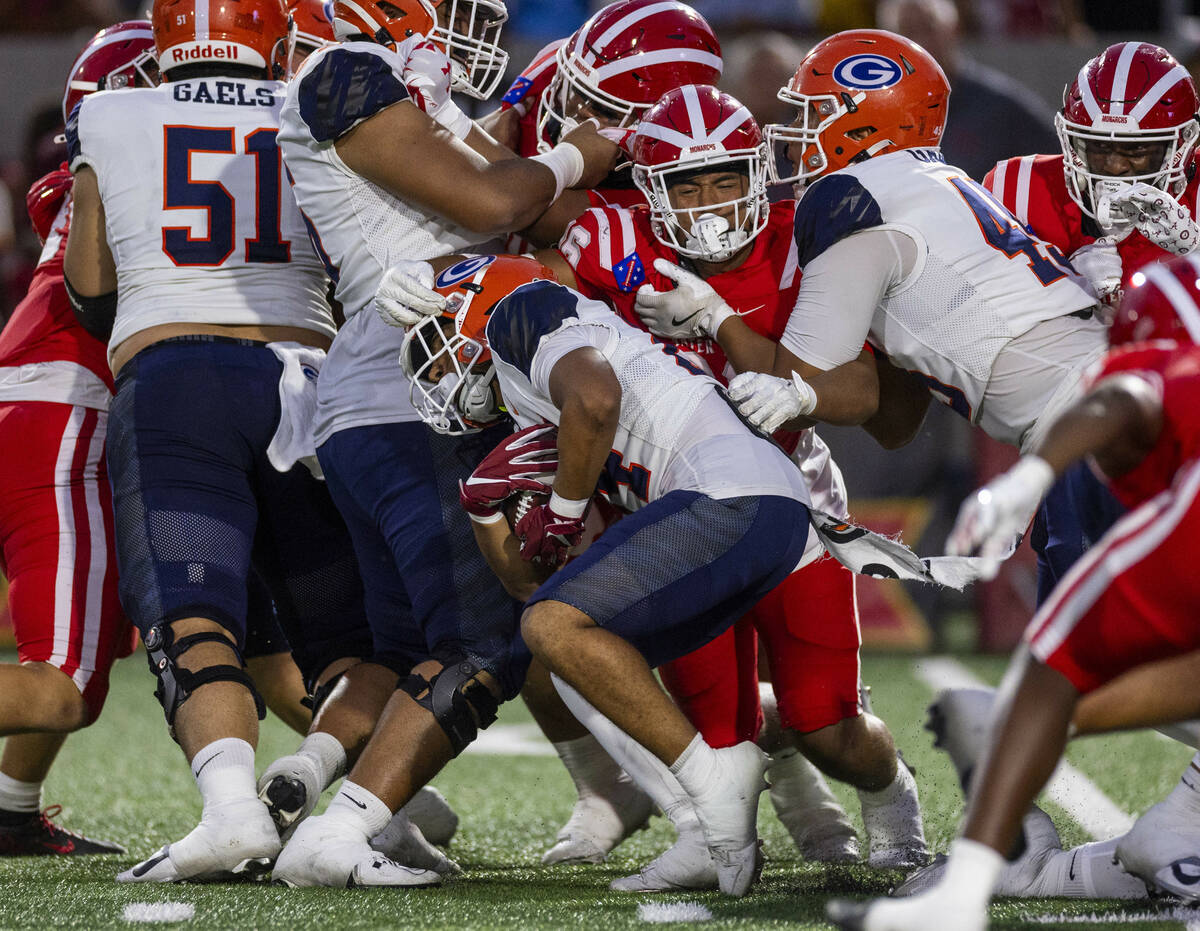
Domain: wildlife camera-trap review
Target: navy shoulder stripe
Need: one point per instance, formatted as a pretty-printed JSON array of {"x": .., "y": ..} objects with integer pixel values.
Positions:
[
  {"x": 72, "y": 133},
  {"x": 345, "y": 88},
  {"x": 519, "y": 321},
  {"x": 831, "y": 209}
]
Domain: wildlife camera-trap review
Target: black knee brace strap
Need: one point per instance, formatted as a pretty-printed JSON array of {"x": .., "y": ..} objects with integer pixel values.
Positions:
[
  {"x": 461, "y": 705},
  {"x": 176, "y": 684},
  {"x": 320, "y": 694}
]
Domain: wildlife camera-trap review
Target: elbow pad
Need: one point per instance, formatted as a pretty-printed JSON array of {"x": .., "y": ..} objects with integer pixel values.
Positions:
[{"x": 95, "y": 314}]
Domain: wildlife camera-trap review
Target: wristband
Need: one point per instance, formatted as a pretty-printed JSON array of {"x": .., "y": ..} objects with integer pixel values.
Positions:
[
  {"x": 567, "y": 507},
  {"x": 566, "y": 162},
  {"x": 494, "y": 518},
  {"x": 452, "y": 118}
]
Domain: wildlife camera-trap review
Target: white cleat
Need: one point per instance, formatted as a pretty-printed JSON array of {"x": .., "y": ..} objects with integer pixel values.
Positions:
[
  {"x": 727, "y": 806},
  {"x": 1163, "y": 850},
  {"x": 892, "y": 819},
  {"x": 960, "y": 720},
  {"x": 433, "y": 816},
  {"x": 290, "y": 788},
  {"x": 810, "y": 811},
  {"x": 684, "y": 865},
  {"x": 324, "y": 852},
  {"x": 234, "y": 841},
  {"x": 598, "y": 823},
  {"x": 927, "y": 912},
  {"x": 403, "y": 842}
]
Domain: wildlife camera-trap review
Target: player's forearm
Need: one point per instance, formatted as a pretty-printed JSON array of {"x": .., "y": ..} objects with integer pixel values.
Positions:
[
  {"x": 502, "y": 551},
  {"x": 1117, "y": 423},
  {"x": 903, "y": 403},
  {"x": 585, "y": 438},
  {"x": 847, "y": 395},
  {"x": 746, "y": 350}
]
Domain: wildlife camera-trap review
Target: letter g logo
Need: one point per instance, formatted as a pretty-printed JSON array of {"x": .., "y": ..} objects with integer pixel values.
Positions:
[{"x": 867, "y": 72}]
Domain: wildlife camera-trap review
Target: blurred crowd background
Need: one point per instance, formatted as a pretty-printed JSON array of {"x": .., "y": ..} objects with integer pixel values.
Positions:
[{"x": 1007, "y": 61}]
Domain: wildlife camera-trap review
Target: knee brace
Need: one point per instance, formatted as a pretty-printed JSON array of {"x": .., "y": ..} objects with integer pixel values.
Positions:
[
  {"x": 176, "y": 684},
  {"x": 461, "y": 706},
  {"x": 320, "y": 693}
]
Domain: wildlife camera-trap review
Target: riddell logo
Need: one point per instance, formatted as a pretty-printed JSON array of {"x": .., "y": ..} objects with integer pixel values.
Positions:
[{"x": 204, "y": 53}]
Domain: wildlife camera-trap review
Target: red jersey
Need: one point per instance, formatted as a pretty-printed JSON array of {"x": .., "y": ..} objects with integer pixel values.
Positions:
[
  {"x": 612, "y": 252},
  {"x": 1034, "y": 188},
  {"x": 45, "y": 355},
  {"x": 1173, "y": 369}
]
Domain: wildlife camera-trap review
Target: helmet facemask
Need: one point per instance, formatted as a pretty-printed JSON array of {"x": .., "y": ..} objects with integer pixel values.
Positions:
[
  {"x": 470, "y": 32},
  {"x": 450, "y": 374},
  {"x": 815, "y": 117},
  {"x": 570, "y": 99}
]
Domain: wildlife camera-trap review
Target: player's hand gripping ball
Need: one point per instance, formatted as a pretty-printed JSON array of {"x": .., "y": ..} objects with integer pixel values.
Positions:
[{"x": 520, "y": 467}]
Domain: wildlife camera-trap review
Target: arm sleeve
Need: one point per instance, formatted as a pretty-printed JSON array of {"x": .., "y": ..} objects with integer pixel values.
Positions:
[
  {"x": 347, "y": 86},
  {"x": 839, "y": 293}
]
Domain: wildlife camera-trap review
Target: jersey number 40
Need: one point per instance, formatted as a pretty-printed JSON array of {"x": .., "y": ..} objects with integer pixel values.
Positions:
[{"x": 182, "y": 192}]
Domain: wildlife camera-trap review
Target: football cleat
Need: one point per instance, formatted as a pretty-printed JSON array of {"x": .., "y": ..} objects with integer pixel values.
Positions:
[
  {"x": 686, "y": 864},
  {"x": 327, "y": 852},
  {"x": 403, "y": 842},
  {"x": 1163, "y": 850},
  {"x": 39, "y": 836},
  {"x": 892, "y": 819},
  {"x": 814, "y": 818},
  {"x": 290, "y": 788},
  {"x": 432, "y": 815},
  {"x": 920, "y": 913},
  {"x": 960, "y": 720},
  {"x": 234, "y": 841},
  {"x": 598, "y": 823}
]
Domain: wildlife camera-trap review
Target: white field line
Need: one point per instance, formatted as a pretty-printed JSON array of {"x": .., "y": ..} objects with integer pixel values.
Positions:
[
  {"x": 1189, "y": 915},
  {"x": 512, "y": 740},
  {"x": 1069, "y": 788}
]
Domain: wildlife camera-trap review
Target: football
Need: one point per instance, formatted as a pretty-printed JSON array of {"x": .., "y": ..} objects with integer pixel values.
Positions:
[{"x": 520, "y": 504}]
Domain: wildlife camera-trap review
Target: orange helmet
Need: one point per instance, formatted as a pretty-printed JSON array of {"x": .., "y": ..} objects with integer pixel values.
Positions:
[
  {"x": 861, "y": 93},
  {"x": 237, "y": 32},
  {"x": 313, "y": 20},
  {"x": 470, "y": 37},
  {"x": 446, "y": 357}
]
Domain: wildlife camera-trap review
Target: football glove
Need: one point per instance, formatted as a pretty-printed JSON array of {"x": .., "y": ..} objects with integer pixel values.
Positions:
[
  {"x": 427, "y": 75},
  {"x": 1100, "y": 264},
  {"x": 547, "y": 532},
  {"x": 46, "y": 197},
  {"x": 526, "y": 461},
  {"x": 769, "y": 402},
  {"x": 693, "y": 310},
  {"x": 405, "y": 295},
  {"x": 1158, "y": 216},
  {"x": 992, "y": 521}
]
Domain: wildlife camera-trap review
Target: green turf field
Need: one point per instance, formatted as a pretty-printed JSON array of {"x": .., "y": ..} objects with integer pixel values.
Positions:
[{"x": 124, "y": 779}]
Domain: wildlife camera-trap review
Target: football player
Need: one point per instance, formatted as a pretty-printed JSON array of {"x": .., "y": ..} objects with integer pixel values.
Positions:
[
  {"x": 712, "y": 510},
  {"x": 1128, "y": 603},
  {"x": 56, "y": 523},
  {"x": 699, "y": 159},
  {"x": 188, "y": 255},
  {"x": 388, "y": 170}
]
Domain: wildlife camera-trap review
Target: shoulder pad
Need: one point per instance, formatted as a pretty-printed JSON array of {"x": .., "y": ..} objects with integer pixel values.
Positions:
[
  {"x": 517, "y": 323},
  {"x": 344, "y": 88},
  {"x": 832, "y": 208}
]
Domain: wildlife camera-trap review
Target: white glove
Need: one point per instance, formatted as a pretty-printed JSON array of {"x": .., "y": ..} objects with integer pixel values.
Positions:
[
  {"x": 692, "y": 311},
  {"x": 405, "y": 295},
  {"x": 993, "y": 519},
  {"x": 1158, "y": 216},
  {"x": 1100, "y": 263},
  {"x": 769, "y": 402},
  {"x": 427, "y": 76}
]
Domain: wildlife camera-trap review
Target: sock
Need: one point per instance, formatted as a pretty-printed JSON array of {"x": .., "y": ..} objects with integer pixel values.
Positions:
[
  {"x": 327, "y": 754},
  {"x": 890, "y": 793},
  {"x": 971, "y": 873},
  {"x": 357, "y": 806},
  {"x": 694, "y": 766},
  {"x": 1185, "y": 795},
  {"x": 224, "y": 771},
  {"x": 19, "y": 801},
  {"x": 591, "y": 768}
]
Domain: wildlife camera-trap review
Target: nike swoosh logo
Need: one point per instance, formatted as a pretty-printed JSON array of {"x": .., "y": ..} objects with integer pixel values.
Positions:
[
  {"x": 679, "y": 321},
  {"x": 1071, "y": 871},
  {"x": 206, "y": 762},
  {"x": 355, "y": 801},
  {"x": 143, "y": 868}
]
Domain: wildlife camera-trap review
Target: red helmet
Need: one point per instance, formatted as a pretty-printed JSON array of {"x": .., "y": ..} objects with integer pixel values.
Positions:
[
  {"x": 1133, "y": 93},
  {"x": 867, "y": 80},
  {"x": 1162, "y": 302},
  {"x": 256, "y": 33},
  {"x": 622, "y": 60},
  {"x": 468, "y": 31},
  {"x": 116, "y": 57},
  {"x": 313, "y": 21},
  {"x": 698, "y": 130},
  {"x": 447, "y": 358}
]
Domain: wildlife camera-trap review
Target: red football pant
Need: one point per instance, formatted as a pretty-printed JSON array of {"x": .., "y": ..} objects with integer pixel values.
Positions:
[
  {"x": 1133, "y": 598},
  {"x": 810, "y": 635},
  {"x": 56, "y": 534}
]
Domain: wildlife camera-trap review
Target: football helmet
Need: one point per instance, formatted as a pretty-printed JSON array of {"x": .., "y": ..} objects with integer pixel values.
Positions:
[
  {"x": 1132, "y": 93},
  {"x": 468, "y": 31},
  {"x": 117, "y": 57},
  {"x": 860, "y": 93},
  {"x": 1162, "y": 302},
  {"x": 621, "y": 61},
  {"x": 256, "y": 33},
  {"x": 313, "y": 22},
  {"x": 446, "y": 356},
  {"x": 693, "y": 130}
]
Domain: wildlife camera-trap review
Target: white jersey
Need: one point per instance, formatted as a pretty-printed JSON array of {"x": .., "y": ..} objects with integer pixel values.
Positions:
[
  {"x": 913, "y": 256},
  {"x": 200, "y": 217},
  {"x": 360, "y": 229},
  {"x": 675, "y": 431}
]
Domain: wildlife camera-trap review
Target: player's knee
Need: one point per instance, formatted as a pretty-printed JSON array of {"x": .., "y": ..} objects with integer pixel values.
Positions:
[
  {"x": 61, "y": 706},
  {"x": 185, "y": 656},
  {"x": 544, "y": 625},
  {"x": 462, "y": 697},
  {"x": 857, "y": 750}
]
